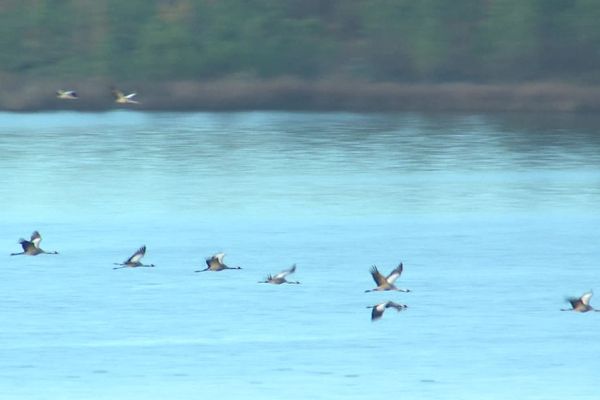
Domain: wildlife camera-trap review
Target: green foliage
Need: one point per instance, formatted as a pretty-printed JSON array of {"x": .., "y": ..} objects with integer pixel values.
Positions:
[{"x": 391, "y": 40}]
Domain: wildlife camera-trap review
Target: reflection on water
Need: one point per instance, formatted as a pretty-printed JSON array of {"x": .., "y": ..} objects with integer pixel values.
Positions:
[{"x": 494, "y": 216}]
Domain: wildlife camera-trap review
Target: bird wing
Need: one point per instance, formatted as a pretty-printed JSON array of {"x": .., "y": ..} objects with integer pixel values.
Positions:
[
  {"x": 574, "y": 301},
  {"x": 130, "y": 95},
  {"x": 397, "y": 306},
  {"x": 219, "y": 257},
  {"x": 391, "y": 278},
  {"x": 36, "y": 238},
  {"x": 137, "y": 256},
  {"x": 585, "y": 299},
  {"x": 25, "y": 244},
  {"x": 215, "y": 260},
  {"x": 118, "y": 94},
  {"x": 377, "y": 311},
  {"x": 377, "y": 277},
  {"x": 286, "y": 272}
]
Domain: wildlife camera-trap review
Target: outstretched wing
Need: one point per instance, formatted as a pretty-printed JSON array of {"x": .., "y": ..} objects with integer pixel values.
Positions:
[
  {"x": 286, "y": 272},
  {"x": 398, "y": 307},
  {"x": 130, "y": 95},
  {"x": 391, "y": 278},
  {"x": 137, "y": 256},
  {"x": 377, "y": 277},
  {"x": 36, "y": 238},
  {"x": 585, "y": 299}
]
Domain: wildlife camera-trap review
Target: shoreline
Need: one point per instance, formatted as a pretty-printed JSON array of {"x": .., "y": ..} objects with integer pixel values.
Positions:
[{"x": 302, "y": 95}]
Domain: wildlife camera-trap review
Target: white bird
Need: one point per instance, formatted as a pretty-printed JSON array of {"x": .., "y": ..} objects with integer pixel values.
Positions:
[
  {"x": 135, "y": 260},
  {"x": 581, "y": 304},
  {"x": 67, "y": 94},
  {"x": 280, "y": 277},
  {"x": 378, "y": 309},
  {"x": 215, "y": 263},
  {"x": 32, "y": 247},
  {"x": 386, "y": 282},
  {"x": 122, "y": 98}
]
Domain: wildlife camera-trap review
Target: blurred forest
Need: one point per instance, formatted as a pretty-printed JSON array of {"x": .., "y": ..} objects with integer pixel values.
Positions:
[{"x": 395, "y": 41}]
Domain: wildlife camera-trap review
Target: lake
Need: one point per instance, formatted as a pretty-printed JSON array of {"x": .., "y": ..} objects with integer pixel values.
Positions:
[{"x": 495, "y": 218}]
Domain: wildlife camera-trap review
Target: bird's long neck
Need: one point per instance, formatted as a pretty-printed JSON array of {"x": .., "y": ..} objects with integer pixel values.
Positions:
[{"x": 39, "y": 250}]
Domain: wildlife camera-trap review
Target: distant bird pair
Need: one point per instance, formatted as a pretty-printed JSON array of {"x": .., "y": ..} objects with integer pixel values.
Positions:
[
  {"x": 385, "y": 283},
  {"x": 215, "y": 263},
  {"x": 120, "y": 97}
]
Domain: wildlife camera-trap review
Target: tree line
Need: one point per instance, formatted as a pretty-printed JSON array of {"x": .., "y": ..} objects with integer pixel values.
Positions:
[{"x": 482, "y": 41}]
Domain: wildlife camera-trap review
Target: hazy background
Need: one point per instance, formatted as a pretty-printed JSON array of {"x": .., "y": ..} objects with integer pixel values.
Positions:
[{"x": 291, "y": 49}]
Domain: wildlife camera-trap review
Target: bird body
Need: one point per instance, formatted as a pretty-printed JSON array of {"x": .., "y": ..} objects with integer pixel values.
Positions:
[
  {"x": 32, "y": 247},
  {"x": 378, "y": 309},
  {"x": 135, "y": 260},
  {"x": 215, "y": 263},
  {"x": 122, "y": 98},
  {"x": 386, "y": 282},
  {"x": 580, "y": 304},
  {"x": 67, "y": 94},
  {"x": 280, "y": 277}
]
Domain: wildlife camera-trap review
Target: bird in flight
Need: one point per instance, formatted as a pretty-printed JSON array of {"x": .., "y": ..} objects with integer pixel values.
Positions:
[
  {"x": 386, "y": 282},
  {"x": 378, "y": 309},
  {"x": 580, "y": 304},
  {"x": 67, "y": 94},
  {"x": 215, "y": 263},
  {"x": 32, "y": 247},
  {"x": 135, "y": 260},
  {"x": 122, "y": 98},
  {"x": 280, "y": 277}
]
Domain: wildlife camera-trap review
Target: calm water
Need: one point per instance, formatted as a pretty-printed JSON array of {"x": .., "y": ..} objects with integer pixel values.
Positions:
[{"x": 494, "y": 216}]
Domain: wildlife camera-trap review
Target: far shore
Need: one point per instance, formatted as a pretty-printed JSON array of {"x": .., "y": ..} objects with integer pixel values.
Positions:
[{"x": 306, "y": 95}]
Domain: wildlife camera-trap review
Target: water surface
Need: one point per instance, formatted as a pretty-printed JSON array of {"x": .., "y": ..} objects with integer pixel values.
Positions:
[{"x": 494, "y": 216}]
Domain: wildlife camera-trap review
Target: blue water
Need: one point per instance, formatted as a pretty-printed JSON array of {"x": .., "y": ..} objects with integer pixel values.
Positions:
[{"x": 494, "y": 216}]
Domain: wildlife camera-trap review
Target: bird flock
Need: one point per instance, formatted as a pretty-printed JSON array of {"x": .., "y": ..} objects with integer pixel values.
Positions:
[{"x": 215, "y": 263}]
